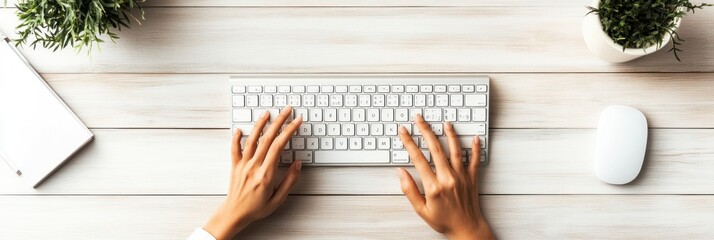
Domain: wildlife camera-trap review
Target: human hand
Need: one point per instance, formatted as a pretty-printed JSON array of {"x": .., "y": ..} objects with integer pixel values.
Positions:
[
  {"x": 451, "y": 205},
  {"x": 252, "y": 193}
]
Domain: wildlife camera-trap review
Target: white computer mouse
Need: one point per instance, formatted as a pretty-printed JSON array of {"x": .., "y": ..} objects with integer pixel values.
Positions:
[{"x": 620, "y": 145}]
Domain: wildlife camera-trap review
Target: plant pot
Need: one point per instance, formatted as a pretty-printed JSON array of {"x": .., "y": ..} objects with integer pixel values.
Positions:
[{"x": 605, "y": 48}]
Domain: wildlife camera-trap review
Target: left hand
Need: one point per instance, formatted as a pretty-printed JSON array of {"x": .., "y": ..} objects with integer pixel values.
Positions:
[{"x": 252, "y": 193}]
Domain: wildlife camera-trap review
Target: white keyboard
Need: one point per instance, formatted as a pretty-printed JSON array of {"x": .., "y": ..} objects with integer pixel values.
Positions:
[{"x": 352, "y": 120}]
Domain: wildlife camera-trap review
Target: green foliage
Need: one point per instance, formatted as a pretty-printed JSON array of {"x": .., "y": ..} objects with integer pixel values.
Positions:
[
  {"x": 643, "y": 23},
  {"x": 56, "y": 24}
]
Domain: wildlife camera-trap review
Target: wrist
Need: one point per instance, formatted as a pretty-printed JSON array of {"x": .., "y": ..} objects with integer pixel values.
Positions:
[
  {"x": 480, "y": 230},
  {"x": 223, "y": 225}
]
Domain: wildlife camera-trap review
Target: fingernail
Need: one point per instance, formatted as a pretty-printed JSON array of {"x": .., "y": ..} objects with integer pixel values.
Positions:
[
  {"x": 298, "y": 165},
  {"x": 447, "y": 124},
  {"x": 400, "y": 173},
  {"x": 266, "y": 114},
  {"x": 403, "y": 129}
]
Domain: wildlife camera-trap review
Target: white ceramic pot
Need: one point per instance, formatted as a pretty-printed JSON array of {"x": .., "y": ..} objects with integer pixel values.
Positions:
[{"x": 604, "y": 47}]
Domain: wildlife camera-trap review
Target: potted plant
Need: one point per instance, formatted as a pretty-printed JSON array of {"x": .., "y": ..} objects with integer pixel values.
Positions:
[
  {"x": 80, "y": 23},
  {"x": 623, "y": 30}
]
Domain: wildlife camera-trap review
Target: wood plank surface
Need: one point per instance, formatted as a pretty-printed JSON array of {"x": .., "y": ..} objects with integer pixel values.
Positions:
[
  {"x": 395, "y": 39},
  {"x": 380, "y": 217},
  {"x": 517, "y": 100},
  {"x": 523, "y": 161}
]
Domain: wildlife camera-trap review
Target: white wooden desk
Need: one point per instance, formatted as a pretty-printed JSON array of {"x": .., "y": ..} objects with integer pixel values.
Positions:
[{"x": 158, "y": 104}]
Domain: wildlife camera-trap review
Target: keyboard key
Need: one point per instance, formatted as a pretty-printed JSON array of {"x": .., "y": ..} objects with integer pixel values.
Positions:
[
  {"x": 397, "y": 143},
  {"x": 313, "y": 89},
  {"x": 355, "y": 143},
  {"x": 298, "y": 143},
  {"x": 251, "y": 100},
  {"x": 330, "y": 115},
  {"x": 405, "y": 100},
  {"x": 376, "y": 129},
  {"x": 305, "y": 129},
  {"x": 284, "y": 89},
  {"x": 384, "y": 143},
  {"x": 378, "y": 100},
  {"x": 327, "y": 89},
  {"x": 271, "y": 89},
  {"x": 400, "y": 157},
  {"x": 470, "y": 128},
  {"x": 238, "y": 89},
  {"x": 467, "y": 88},
  {"x": 457, "y": 100},
  {"x": 350, "y": 100},
  {"x": 348, "y": 129},
  {"x": 370, "y": 88},
  {"x": 341, "y": 89},
  {"x": 464, "y": 115},
  {"x": 315, "y": 115},
  {"x": 420, "y": 100},
  {"x": 362, "y": 129},
  {"x": 437, "y": 128},
  {"x": 475, "y": 100},
  {"x": 426, "y": 88},
  {"x": 301, "y": 112},
  {"x": 298, "y": 89},
  {"x": 312, "y": 143},
  {"x": 344, "y": 115},
  {"x": 365, "y": 100},
  {"x": 481, "y": 88},
  {"x": 355, "y": 157},
  {"x": 390, "y": 129},
  {"x": 440, "y": 88},
  {"x": 442, "y": 100},
  {"x": 242, "y": 115},
  {"x": 373, "y": 115},
  {"x": 432, "y": 115},
  {"x": 335, "y": 100},
  {"x": 323, "y": 100},
  {"x": 397, "y": 89},
  {"x": 266, "y": 100},
  {"x": 304, "y": 156},
  {"x": 308, "y": 100},
  {"x": 387, "y": 115},
  {"x": 245, "y": 129},
  {"x": 319, "y": 129},
  {"x": 255, "y": 89},
  {"x": 413, "y": 113},
  {"x": 334, "y": 129},
  {"x": 392, "y": 100},
  {"x": 450, "y": 114},
  {"x": 370, "y": 143},
  {"x": 341, "y": 144},
  {"x": 326, "y": 143},
  {"x": 355, "y": 89},
  {"x": 359, "y": 115},
  {"x": 286, "y": 157},
  {"x": 383, "y": 88},
  {"x": 479, "y": 115},
  {"x": 294, "y": 100},
  {"x": 281, "y": 100},
  {"x": 401, "y": 115},
  {"x": 454, "y": 88},
  {"x": 412, "y": 88},
  {"x": 239, "y": 101}
]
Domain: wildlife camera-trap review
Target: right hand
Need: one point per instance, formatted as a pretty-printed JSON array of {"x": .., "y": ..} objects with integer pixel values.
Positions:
[{"x": 451, "y": 205}]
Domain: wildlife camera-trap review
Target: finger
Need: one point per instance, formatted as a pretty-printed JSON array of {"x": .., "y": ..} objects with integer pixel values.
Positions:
[
  {"x": 418, "y": 159},
  {"x": 454, "y": 148},
  {"x": 252, "y": 141},
  {"x": 236, "y": 152},
  {"x": 411, "y": 191},
  {"x": 273, "y": 156},
  {"x": 281, "y": 193},
  {"x": 475, "y": 159},
  {"x": 267, "y": 140},
  {"x": 437, "y": 152}
]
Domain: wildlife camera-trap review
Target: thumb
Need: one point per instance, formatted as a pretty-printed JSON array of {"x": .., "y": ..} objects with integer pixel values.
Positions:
[{"x": 411, "y": 191}]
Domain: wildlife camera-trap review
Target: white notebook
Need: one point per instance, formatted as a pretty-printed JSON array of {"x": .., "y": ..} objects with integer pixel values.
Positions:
[{"x": 38, "y": 132}]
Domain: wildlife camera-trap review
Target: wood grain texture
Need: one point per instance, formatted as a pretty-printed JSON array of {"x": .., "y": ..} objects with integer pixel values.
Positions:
[
  {"x": 517, "y": 100},
  {"x": 523, "y": 161},
  {"x": 380, "y": 217},
  {"x": 325, "y": 39}
]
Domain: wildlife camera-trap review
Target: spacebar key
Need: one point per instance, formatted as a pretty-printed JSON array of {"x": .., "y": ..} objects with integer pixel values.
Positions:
[{"x": 352, "y": 157}]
